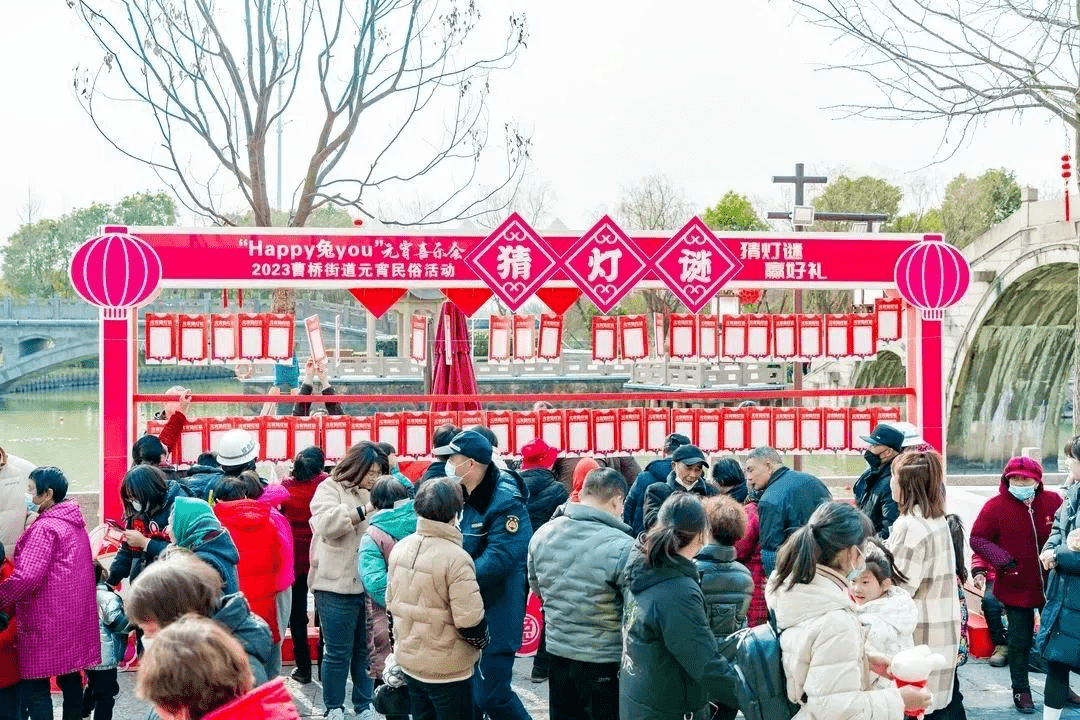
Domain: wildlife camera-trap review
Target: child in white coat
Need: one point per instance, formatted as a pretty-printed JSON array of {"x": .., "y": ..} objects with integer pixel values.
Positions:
[{"x": 885, "y": 610}]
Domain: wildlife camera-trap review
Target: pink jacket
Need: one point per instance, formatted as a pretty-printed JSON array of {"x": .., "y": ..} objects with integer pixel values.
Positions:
[
  {"x": 54, "y": 595},
  {"x": 274, "y": 496}
]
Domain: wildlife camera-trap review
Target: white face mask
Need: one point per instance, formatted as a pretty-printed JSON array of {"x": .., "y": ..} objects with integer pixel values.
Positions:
[
  {"x": 136, "y": 505},
  {"x": 451, "y": 469},
  {"x": 146, "y": 643}
]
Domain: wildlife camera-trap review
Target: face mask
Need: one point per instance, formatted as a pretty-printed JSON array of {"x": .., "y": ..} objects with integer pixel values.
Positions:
[
  {"x": 146, "y": 643},
  {"x": 451, "y": 470},
  {"x": 874, "y": 461},
  {"x": 1023, "y": 494},
  {"x": 31, "y": 506},
  {"x": 136, "y": 506},
  {"x": 859, "y": 569}
]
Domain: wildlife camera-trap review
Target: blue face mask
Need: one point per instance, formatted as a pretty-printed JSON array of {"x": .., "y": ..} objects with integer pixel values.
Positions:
[
  {"x": 1023, "y": 494},
  {"x": 31, "y": 506}
]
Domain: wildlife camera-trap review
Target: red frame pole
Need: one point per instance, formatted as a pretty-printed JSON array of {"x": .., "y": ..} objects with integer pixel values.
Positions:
[{"x": 116, "y": 416}]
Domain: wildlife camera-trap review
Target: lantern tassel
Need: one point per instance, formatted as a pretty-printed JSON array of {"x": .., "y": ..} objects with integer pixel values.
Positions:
[
  {"x": 224, "y": 299},
  {"x": 1067, "y": 217}
]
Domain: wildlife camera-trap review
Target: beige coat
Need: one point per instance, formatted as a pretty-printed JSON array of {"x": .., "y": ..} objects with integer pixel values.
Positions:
[
  {"x": 431, "y": 591},
  {"x": 924, "y": 553},
  {"x": 13, "y": 479},
  {"x": 335, "y": 545},
  {"x": 823, "y": 651}
]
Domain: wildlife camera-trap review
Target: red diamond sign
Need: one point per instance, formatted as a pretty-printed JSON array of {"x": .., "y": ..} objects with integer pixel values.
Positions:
[
  {"x": 514, "y": 261},
  {"x": 605, "y": 264},
  {"x": 695, "y": 265}
]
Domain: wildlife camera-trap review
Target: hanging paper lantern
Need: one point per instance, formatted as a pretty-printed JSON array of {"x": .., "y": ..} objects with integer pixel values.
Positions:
[
  {"x": 932, "y": 275},
  {"x": 749, "y": 296},
  {"x": 115, "y": 271}
]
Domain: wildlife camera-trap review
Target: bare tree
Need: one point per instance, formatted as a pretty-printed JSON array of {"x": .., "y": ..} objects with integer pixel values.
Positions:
[{"x": 388, "y": 96}]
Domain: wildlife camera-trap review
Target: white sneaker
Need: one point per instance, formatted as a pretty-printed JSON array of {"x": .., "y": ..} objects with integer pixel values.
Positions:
[
  {"x": 367, "y": 713},
  {"x": 336, "y": 714}
]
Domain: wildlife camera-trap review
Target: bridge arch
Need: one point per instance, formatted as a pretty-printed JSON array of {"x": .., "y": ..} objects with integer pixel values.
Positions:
[
  {"x": 1009, "y": 378},
  {"x": 42, "y": 362},
  {"x": 33, "y": 344}
]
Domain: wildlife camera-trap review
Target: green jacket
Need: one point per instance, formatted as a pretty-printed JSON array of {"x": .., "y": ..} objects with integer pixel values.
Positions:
[{"x": 396, "y": 523}]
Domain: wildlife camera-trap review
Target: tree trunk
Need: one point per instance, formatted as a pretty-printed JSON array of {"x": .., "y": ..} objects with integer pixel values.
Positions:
[{"x": 1076, "y": 347}]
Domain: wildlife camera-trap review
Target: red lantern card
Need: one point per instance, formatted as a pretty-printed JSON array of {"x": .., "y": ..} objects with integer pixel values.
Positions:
[
  {"x": 154, "y": 427},
  {"x": 785, "y": 429},
  {"x": 657, "y": 428},
  {"x": 682, "y": 329},
  {"x": 305, "y": 433},
  {"x": 252, "y": 336},
  {"x": 605, "y": 427},
  {"x": 418, "y": 339},
  {"x": 684, "y": 422},
  {"x": 524, "y": 337},
  {"x": 631, "y": 429},
  {"x": 388, "y": 429},
  {"x": 811, "y": 429},
  {"x": 578, "y": 432},
  {"x": 361, "y": 429},
  {"x": 471, "y": 418},
  {"x": 835, "y": 422},
  {"x": 864, "y": 335},
  {"x": 710, "y": 429},
  {"x": 257, "y": 427},
  {"x": 192, "y": 441},
  {"x": 634, "y": 336},
  {"x": 758, "y": 335},
  {"x": 194, "y": 337},
  {"x": 708, "y": 336},
  {"x": 785, "y": 337},
  {"x": 890, "y": 315},
  {"x": 415, "y": 435},
  {"x": 551, "y": 333},
  {"x": 736, "y": 431},
  {"x": 861, "y": 424},
  {"x": 735, "y": 336},
  {"x": 224, "y": 338},
  {"x": 605, "y": 338},
  {"x": 438, "y": 418},
  {"x": 499, "y": 422},
  {"x": 316, "y": 346},
  {"x": 525, "y": 428},
  {"x": 277, "y": 437},
  {"x": 335, "y": 432},
  {"x": 500, "y": 328},
  {"x": 890, "y": 415},
  {"x": 838, "y": 336},
  {"x": 760, "y": 427},
  {"x": 280, "y": 336},
  {"x": 811, "y": 336},
  {"x": 215, "y": 428},
  {"x": 553, "y": 428},
  {"x": 160, "y": 337},
  {"x": 658, "y": 335}
]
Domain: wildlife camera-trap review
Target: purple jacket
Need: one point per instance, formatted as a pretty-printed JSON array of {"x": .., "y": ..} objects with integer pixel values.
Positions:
[{"x": 54, "y": 595}]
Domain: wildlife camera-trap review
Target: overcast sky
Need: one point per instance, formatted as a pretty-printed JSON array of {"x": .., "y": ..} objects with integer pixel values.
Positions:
[{"x": 717, "y": 95}]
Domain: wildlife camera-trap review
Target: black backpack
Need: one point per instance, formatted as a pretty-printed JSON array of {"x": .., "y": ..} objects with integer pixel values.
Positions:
[{"x": 760, "y": 684}]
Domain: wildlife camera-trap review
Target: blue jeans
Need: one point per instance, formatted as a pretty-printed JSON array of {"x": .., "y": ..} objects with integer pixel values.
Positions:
[
  {"x": 492, "y": 692},
  {"x": 345, "y": 636}
]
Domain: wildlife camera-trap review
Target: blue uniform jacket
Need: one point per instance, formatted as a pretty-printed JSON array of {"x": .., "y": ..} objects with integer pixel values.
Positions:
[{"x": 496, "y": 530}]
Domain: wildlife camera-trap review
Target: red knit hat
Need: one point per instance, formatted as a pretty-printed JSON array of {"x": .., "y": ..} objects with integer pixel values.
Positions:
[
  {"x": 1024, "y": 466},
  {"x": 537, "y": 454}
]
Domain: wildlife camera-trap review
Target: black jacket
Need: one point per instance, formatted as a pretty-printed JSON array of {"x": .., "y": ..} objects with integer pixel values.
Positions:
[
  {"x": 785, "y": 506},
  {"x": 657, "y": 493},
  {"x": 251, "y": 631},
  {"x": 634, "y": 508},
  {"x": 129, "y": 561},
  {"x": 545, "y": 494},
  {"x": 874, "y": 497},
  {"x": 728, "y": 587},
  {"x": 1059, "y": 628},
  {"x": 671, "y": 664}
]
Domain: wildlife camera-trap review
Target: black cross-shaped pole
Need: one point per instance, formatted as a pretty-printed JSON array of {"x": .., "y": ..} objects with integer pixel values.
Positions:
[{"x": 800, "y": 180}]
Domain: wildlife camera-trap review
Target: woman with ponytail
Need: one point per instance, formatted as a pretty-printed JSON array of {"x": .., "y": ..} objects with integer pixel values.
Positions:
[
  {"x": 671, "y": 666},
  {"x": 821, "y": 638}
]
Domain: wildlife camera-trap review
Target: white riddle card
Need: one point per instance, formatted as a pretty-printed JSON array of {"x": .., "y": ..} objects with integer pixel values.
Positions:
[
  {"x": 682, "y": 341},
  {"x": 605, "y": 344},
  {"x": 192, "y": 344},
  {"x": 277, "y": 342},
  {"x": 634, "y": 343},
  {"x": 224, "y": 342},
  {"x": 251, "y": 342},
  {"x": 629, "y": 432},
  {"x": 160, "y": 341},
  {"x": 549, "y": 341}
]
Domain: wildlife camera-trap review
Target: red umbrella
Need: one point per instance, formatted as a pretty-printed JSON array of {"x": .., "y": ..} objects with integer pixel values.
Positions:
[{"x": 453, "y": 373}]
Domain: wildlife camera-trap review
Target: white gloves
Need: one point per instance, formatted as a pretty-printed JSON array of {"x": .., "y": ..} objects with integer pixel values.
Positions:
[{"x": 392, "y": 674}]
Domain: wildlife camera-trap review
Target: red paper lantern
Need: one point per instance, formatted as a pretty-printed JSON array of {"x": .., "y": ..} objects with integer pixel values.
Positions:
[
  {"x": 932, "y": 275},
  {"x": 749, "y": 296},
  {"x": 115, "y": 271}
]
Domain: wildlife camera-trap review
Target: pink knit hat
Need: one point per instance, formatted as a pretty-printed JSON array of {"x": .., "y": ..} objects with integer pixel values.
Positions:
[{"x": 1023, "y": 466}]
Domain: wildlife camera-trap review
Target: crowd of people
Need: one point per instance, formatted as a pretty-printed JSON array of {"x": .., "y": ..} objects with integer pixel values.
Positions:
[{"x": 654, "y": 583}]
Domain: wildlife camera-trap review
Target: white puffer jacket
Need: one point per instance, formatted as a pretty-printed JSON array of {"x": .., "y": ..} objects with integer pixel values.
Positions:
[
  {"x": 890, "y": 623},
  {"x": 821, "y": 643},
  {"x": 336, "y": 528},
  {"x": 13, "y": 478}
]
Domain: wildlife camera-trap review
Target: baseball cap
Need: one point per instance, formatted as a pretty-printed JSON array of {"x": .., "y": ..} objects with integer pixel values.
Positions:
[
  {"x": 469, "y": 443},
  {"x": 885, "y": 435},
  {"x": 689, "y": 455},
  {"x": 675, "y": 440}
]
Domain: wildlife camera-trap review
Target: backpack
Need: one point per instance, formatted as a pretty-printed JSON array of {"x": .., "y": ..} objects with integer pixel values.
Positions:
[{"x": 760, "y": 684}]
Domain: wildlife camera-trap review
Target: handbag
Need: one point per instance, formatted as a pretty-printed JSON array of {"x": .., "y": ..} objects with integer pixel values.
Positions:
[{"x": 392, "y": 700}]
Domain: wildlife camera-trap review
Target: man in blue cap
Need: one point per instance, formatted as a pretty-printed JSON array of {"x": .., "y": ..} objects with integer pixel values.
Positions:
[
  {"x": 872, "y": 492},
  {"x": 496, "y": 531}
]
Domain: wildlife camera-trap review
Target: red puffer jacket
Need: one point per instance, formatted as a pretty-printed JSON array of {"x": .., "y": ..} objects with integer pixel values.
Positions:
[
  {"x": 1009, "y": 534},
  {"x": 297, "y": 508},
  {"x": 9, "y": 659},
  {"x": 261, "y": 554},
  {"x": 270, "y": 701}
]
